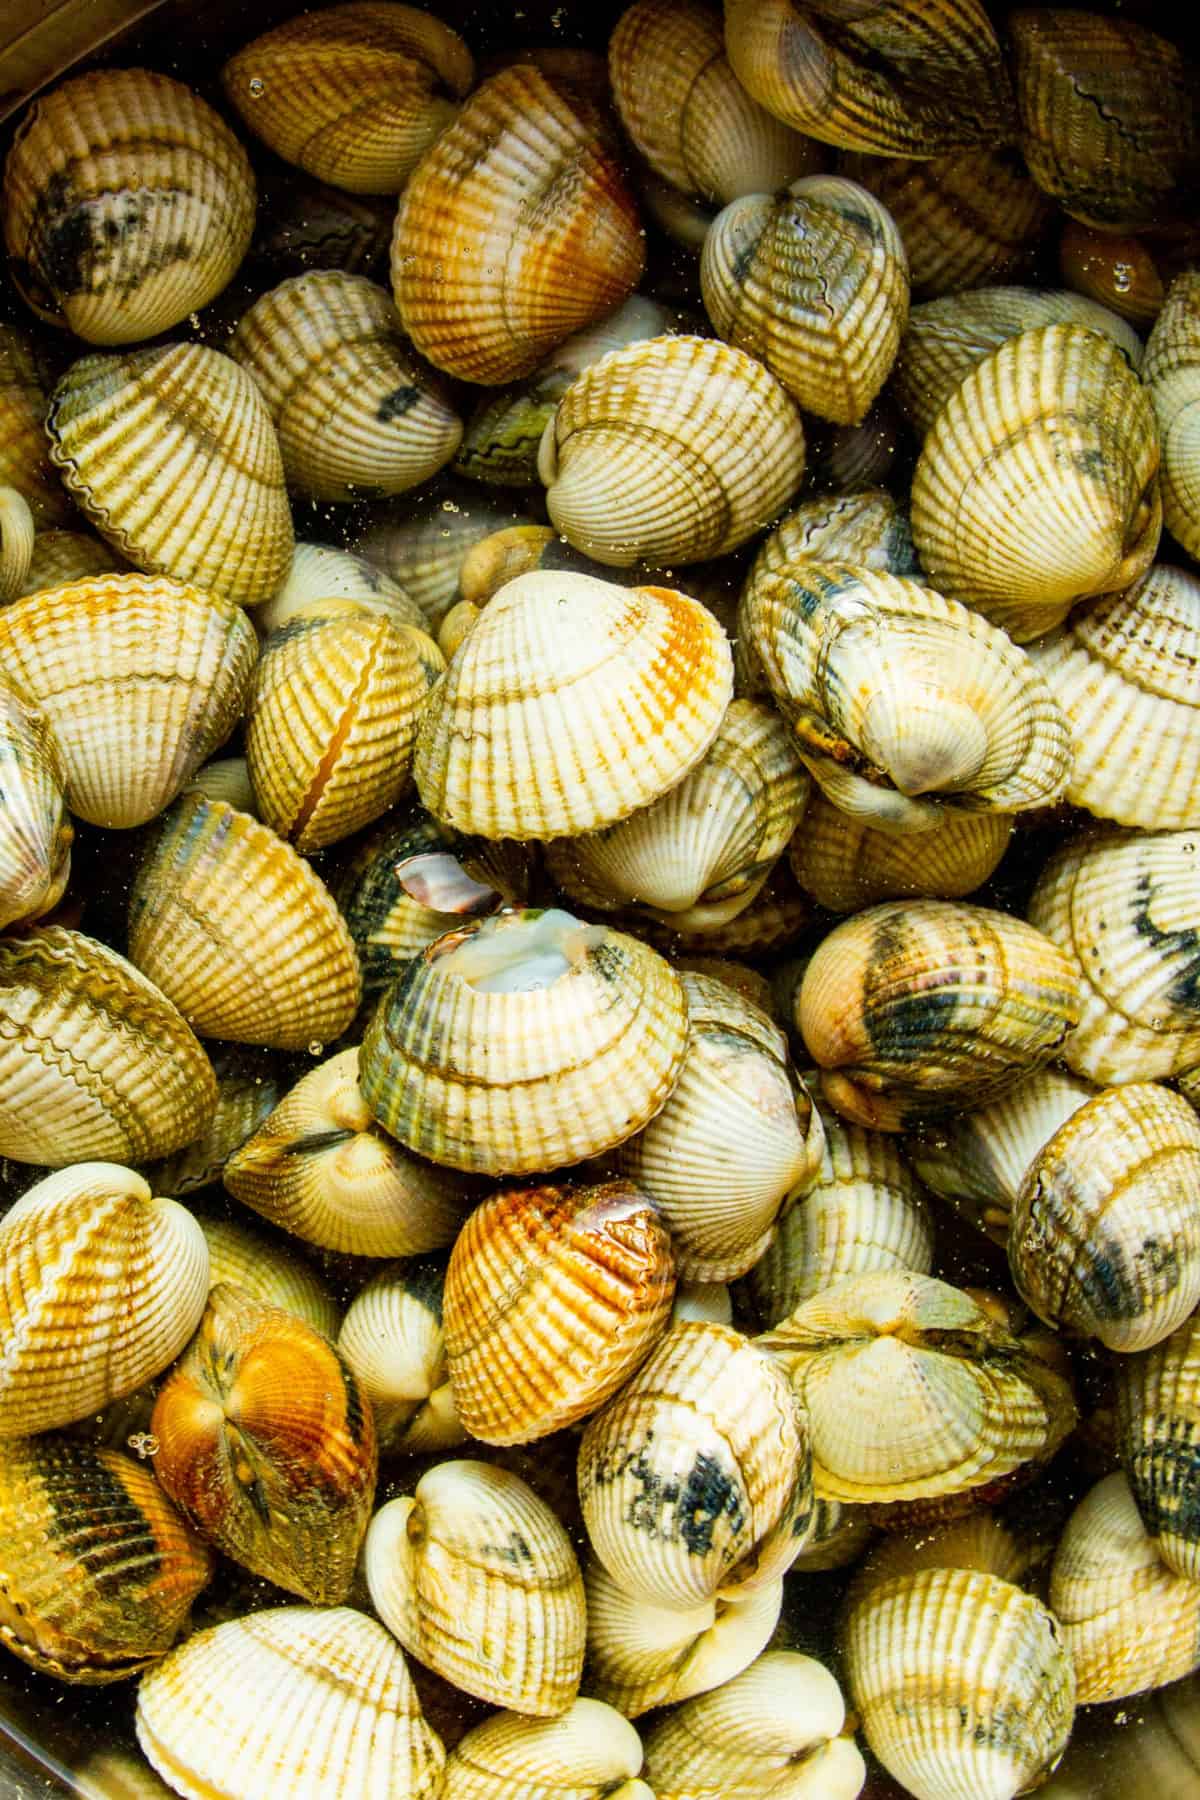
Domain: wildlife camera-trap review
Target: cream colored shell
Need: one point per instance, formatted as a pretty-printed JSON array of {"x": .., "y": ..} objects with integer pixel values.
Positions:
[
  {"x": 1172, "y": 374},
  {"x": 323, "y": 572},
  {"x": 1158, "y": 1439},
  {"x": 271, "y": 1272},
  {"x": 35, "y": 833},
  {"x": 845, "y": 863},
  {"x": 590, "y": 1753},
  {"x": 392, "y": 1338}
]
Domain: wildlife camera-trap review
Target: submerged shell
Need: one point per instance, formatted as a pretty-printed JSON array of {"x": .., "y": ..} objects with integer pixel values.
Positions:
[
  {"x": 1158, "y": 1439},
  {"x": 63, "y": 556},
  {"x": 421, "y": 543},
  {"x": 1172, "y": 374},
  {"x": 1036, "y": 486},
  {"x": 324, "y": 572},
  {"x": 635, "y": 681},
  {"x": 171, "y": 453},
  {"x": 247, "y": 1089},
  {"x": 128, "y": 204},
  {"x": 845, "y": 863},
  {"x": 869, "y": 529},
  {"x": 1118, "y": 272},
  {"x": 590, "y": 1753},
  {"x": 392, "y": 1338},
  {"x": 140, "y": 679},
  {"x": 24, "y": 453},
  {"x": 94, "y": 1060},
  {"x": 269, "y": 1271},
  {"x": 553, "y": 1298},
  {"x": 101, "y": 1286},
  {"x": 297, "y": 1699},
  {"x": 239, "y": 932},
  {"x": 35, "y": 832}
]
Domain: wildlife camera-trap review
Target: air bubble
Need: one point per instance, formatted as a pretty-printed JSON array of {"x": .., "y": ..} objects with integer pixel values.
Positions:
[{"x": 256, "y": 87}]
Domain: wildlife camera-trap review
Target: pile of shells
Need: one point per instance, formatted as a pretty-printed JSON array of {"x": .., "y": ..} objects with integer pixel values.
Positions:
[{"x": 600, "y": 902}]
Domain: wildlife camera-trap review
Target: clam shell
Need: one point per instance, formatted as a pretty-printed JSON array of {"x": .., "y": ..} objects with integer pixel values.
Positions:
[
  {"x": 694, "y": 1479},
  {"x": 240, "y": 933},
  {"x": 320, "y": 1168},
  {"x": 846, "y": 864},
  {"x": 172, "y": 455},
  {"x": 774, "y": 918},
  {"x": 247, "y": 1089},
  {"x": 590, "y": 1753},
  {"x": 526, "y": 1042},
  {"x": 1128, "y": 1622},
  {"x": 814, "y": 282},
  {"x": 515, "y": 230},
  {"x": 421, "y": 543},
  {"x": 60, "y": 557},
  {"x": 869, "y": 529},
  {"x": 1124, "y": 909},
  {"x": 354, "y": 94},
  {"x": 301, "y": 1700},
  {"x": 128, "y": 204},
  {"x": 1036, "y": 486},
  {"x": 94, "y": 1060},
  {"x": 553, "y": 1297},
  {"x": 671, "y": 451},
  {"x": 267, "y": 1443},
  {"x": 24, "y": 454},
  {"x": 1158, "y": 1439},
  {"x": 635, "y": 681},
  {"x": 322, "y": 572},
  {"x": 1172, "y": 374},
  {"x": 99, "y": 1570},
  {"x": 478, "y": 1580},
  {"x": 101, "y": 1286},
  {"x": 269, "y": 1272},
  {"x": 392, "y": 1338},
  {"x": 356, "y": 414},
  {"x": 966, "y": 1403},
  {"x": 1118, "y": 272},
  {"x": 306, "y": 225},
  {"x": 140, "y": 679},
  {"x": 35, "y": 832},
  {"x": 226, "y": 778},
  {"x": 737, "y": 1138},
  {"x": 17, "y": 534}
]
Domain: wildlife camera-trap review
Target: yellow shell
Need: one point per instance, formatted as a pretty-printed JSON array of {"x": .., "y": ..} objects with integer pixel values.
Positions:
[
  {"x": 1158, "y": 1416},
  {"x": 321, "y": 572},
  {"x": 240, "y": 933},
  {"x": 590, "y": 1753},
  {"x": 355, "y": 94},
  {"x": 421, "y": 543},
  {"x": 247, "y": 1088},
  {"x": 60, "y": 557},
  {"x": 846, "y": 863},
  {"x": 225, "y": 778},
  {"x": 392, "y": 1338},
  {"x": 269, "y": 1271},
  {"x": 24, "y": 453},
  {"x": 17, "y": 535},
  {"x": 101, "y": 1286},
  {"x": 515, "y": 230},
  {"x": 128, "y": 204},
  {"x": 172, "y": 455},
  {"x": 1172, "y": 374},
  {"x": 140, "y": 679},
  {"x": 35, "y": 833}
]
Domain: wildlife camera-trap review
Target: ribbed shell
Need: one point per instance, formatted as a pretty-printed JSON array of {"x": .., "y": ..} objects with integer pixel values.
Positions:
[
  {"x": 17, "y": 534},
  {"x": 332, "y": 721},
  {"x": 421, "y": 543},
  {"x": 572, "y": 703},
  {"x": 737, "y": 1137},
  {"x": 515, "y": 230},
  {"x": 94, "y": 1060},
  {"x": 966, "y": 1403},
  {"x": 478, "y": 1580},
  {"x": 865, "y": 1211},
  {"x": 270, "y": 1272},
  {"x": 140, "y": 678},
  {"x": 1105, "y": 1234},
  {"x": 1127, "y": 1621},
  {"x": 392, "y": 1338},
  {"x": 35, "y": 833},
  {"x": 225, "y": 778},
  {"x": 309, "y": 225},
  {"x": 240, "y": 933},
  {"x": 354, "y": 94},
  {"x": 775, "y": 917},
  {"x": 869, "y": 529},
  {"x": 24, "y": 453},
  {"x": 963, "y": 1683},
  {"x": 694, "y": 1480},
  {"x": 915, "y": 78},
  {"x": 591, "y": 1753},
  {"x": 814, "y": 282},
  {"x": 322, "y": 572},
  {"x": 567, "y": 1040},
  {"x": 266, "y": 1442},
  {"x": 99, "y": 1570},
  {"x": 172, "y": 455},
  {"x": 128, "y": 204},
  {"x": 1124, "y": 909},
  {"x": 553, "y": 1298},
  {"x": 60, "y": 557},
  {"x": 1158, "y": 1439},
  {"x": 321, "y": 1169},
  {"x": 301, "y": 1701},
  {"x": 904, "y": 701},
  {"x": 672, "y": 451},
  {"x": 1172, "y": 374},
  {"x": 247, "y": 1089},
  {"x": 101, "y": 1286},
  {"x": 1036, "y": 486},
  {"x": 846, "y": 864},
  {"x": 357, "y": 415},
  {"x": 1107, "y": 116}
]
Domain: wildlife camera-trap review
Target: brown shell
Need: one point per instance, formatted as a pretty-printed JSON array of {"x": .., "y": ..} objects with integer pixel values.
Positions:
[
  {"x": 24, "y": 453},
  {"x": 1118, "y": 272},
  {"x": 1158, "y": 1439}
]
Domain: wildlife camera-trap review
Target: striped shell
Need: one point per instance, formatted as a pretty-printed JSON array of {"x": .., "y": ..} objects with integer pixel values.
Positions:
[
  {"x": 869, "y": 529},
  {"x": 1158, "y": 1439},
  {"x": 1172, "y": 374},
  {"x": 392, "y": 1338},
  {"x": 24, "y": 453},
  {"x": 421, "y": 543},
  {"x": 322, "y": 572},
  {"x": 35, "y": 832},
  {"x": 845, "y": 863},
  {"x": 18, "y": 533},
  {"x": 269, "y": 1271},
  {"x": 590, "y": 1753},
  {"x": 247, "y": 1088},
  {"x": 60, "y": 557}
]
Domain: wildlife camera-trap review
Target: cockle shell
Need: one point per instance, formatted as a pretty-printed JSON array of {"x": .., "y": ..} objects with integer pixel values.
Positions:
[
  {"x": 35, "y": 832},
  {"x": 101, "y": 1286},
  {"x": 553, "y": 1297},
  {"x": 636, "y": 680},
  {"x": 171, "y": 453},
  {"x": 17, "y": 534},
  {"x": 306, "y": 225},
  {"x": 694, "y": 1479},
  {"x": 845, "y": 863},
  {"x": 266, "y": 1442},
  {"x": 524, "y": 1042},
  {"x": 304, "y": 1701},
  {"x": 421, "y": 543},
  {"x": 60, "y": 557},
  {"x": 966, "y": 1403},
  {"x": 392, "y": 1338},
  {"x": 1036, "y": 486},
  {"x": 94, "y": 1060},
  {"x": 321, "y": 1168},
  {"x": 671, "y": 451},
  {"x": 1158, "y": 1439},
  {"x": 269, "y": 1271},
  {"x": 247, "y": 1088},
  {"x": 24, "y": 453},
  {"x": 139, "y": 678},
  {"x": 478, "y": 1579},
  {"x": 128, "y": 204},
  {"x": 226, "y": 778},
  {"x": 515, "y": 230},
  {"x": 1172, "y": 374},
  {"x": 814, "y": 282},
  {"x": 354, "y": 94},
  {"x": 99, "y": 1570},
  {"x": 357, "y": 415},
  {"x": 869, "y": 529},
  {"x": 239, "y": 932},
  {"x": 322, "y": 572},
  {"x": 590, "y": 1753},
  {"x": 1118, "y": 272}
]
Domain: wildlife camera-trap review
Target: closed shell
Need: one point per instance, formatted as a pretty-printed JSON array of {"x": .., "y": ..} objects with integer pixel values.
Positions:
[
  {"x": 128, "y": 204},
  {"x": 846, "y": 864},
  {"x": 323, "y": 572},
  {"x": 590, "y": 1753},
  {"x": 24, "y": 453},
  {"x": 869, "y": 529},
  {"x": 35, "y": 832},
  {"x": 269, "y": 1271},
  {"x": 1158, "y": 1439},
  {"x": 247, "y": 1088},
  {"x": 1172, "y": 374},
  {"x": 392, "y": 1338},
  {"x": 421, "y": 543},
  {"x": 225, "y": 778},
  {"x": 60, "y": 557}
]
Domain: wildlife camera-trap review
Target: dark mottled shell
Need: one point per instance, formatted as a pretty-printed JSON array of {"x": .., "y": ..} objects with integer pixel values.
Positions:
[{"x": 1158, "y": 1440}]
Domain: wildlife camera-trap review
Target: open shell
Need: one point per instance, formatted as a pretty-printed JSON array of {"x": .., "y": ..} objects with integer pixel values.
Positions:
[
  {"x": 1158, "y": 1439},
  {"x": 35, "y": 833},
  {"x": 845, "y": 863},
  {"x": 590, "y": 1753},
  {"x": 1172, "y": 374},
  {"x": 392, "y": 1338}
]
